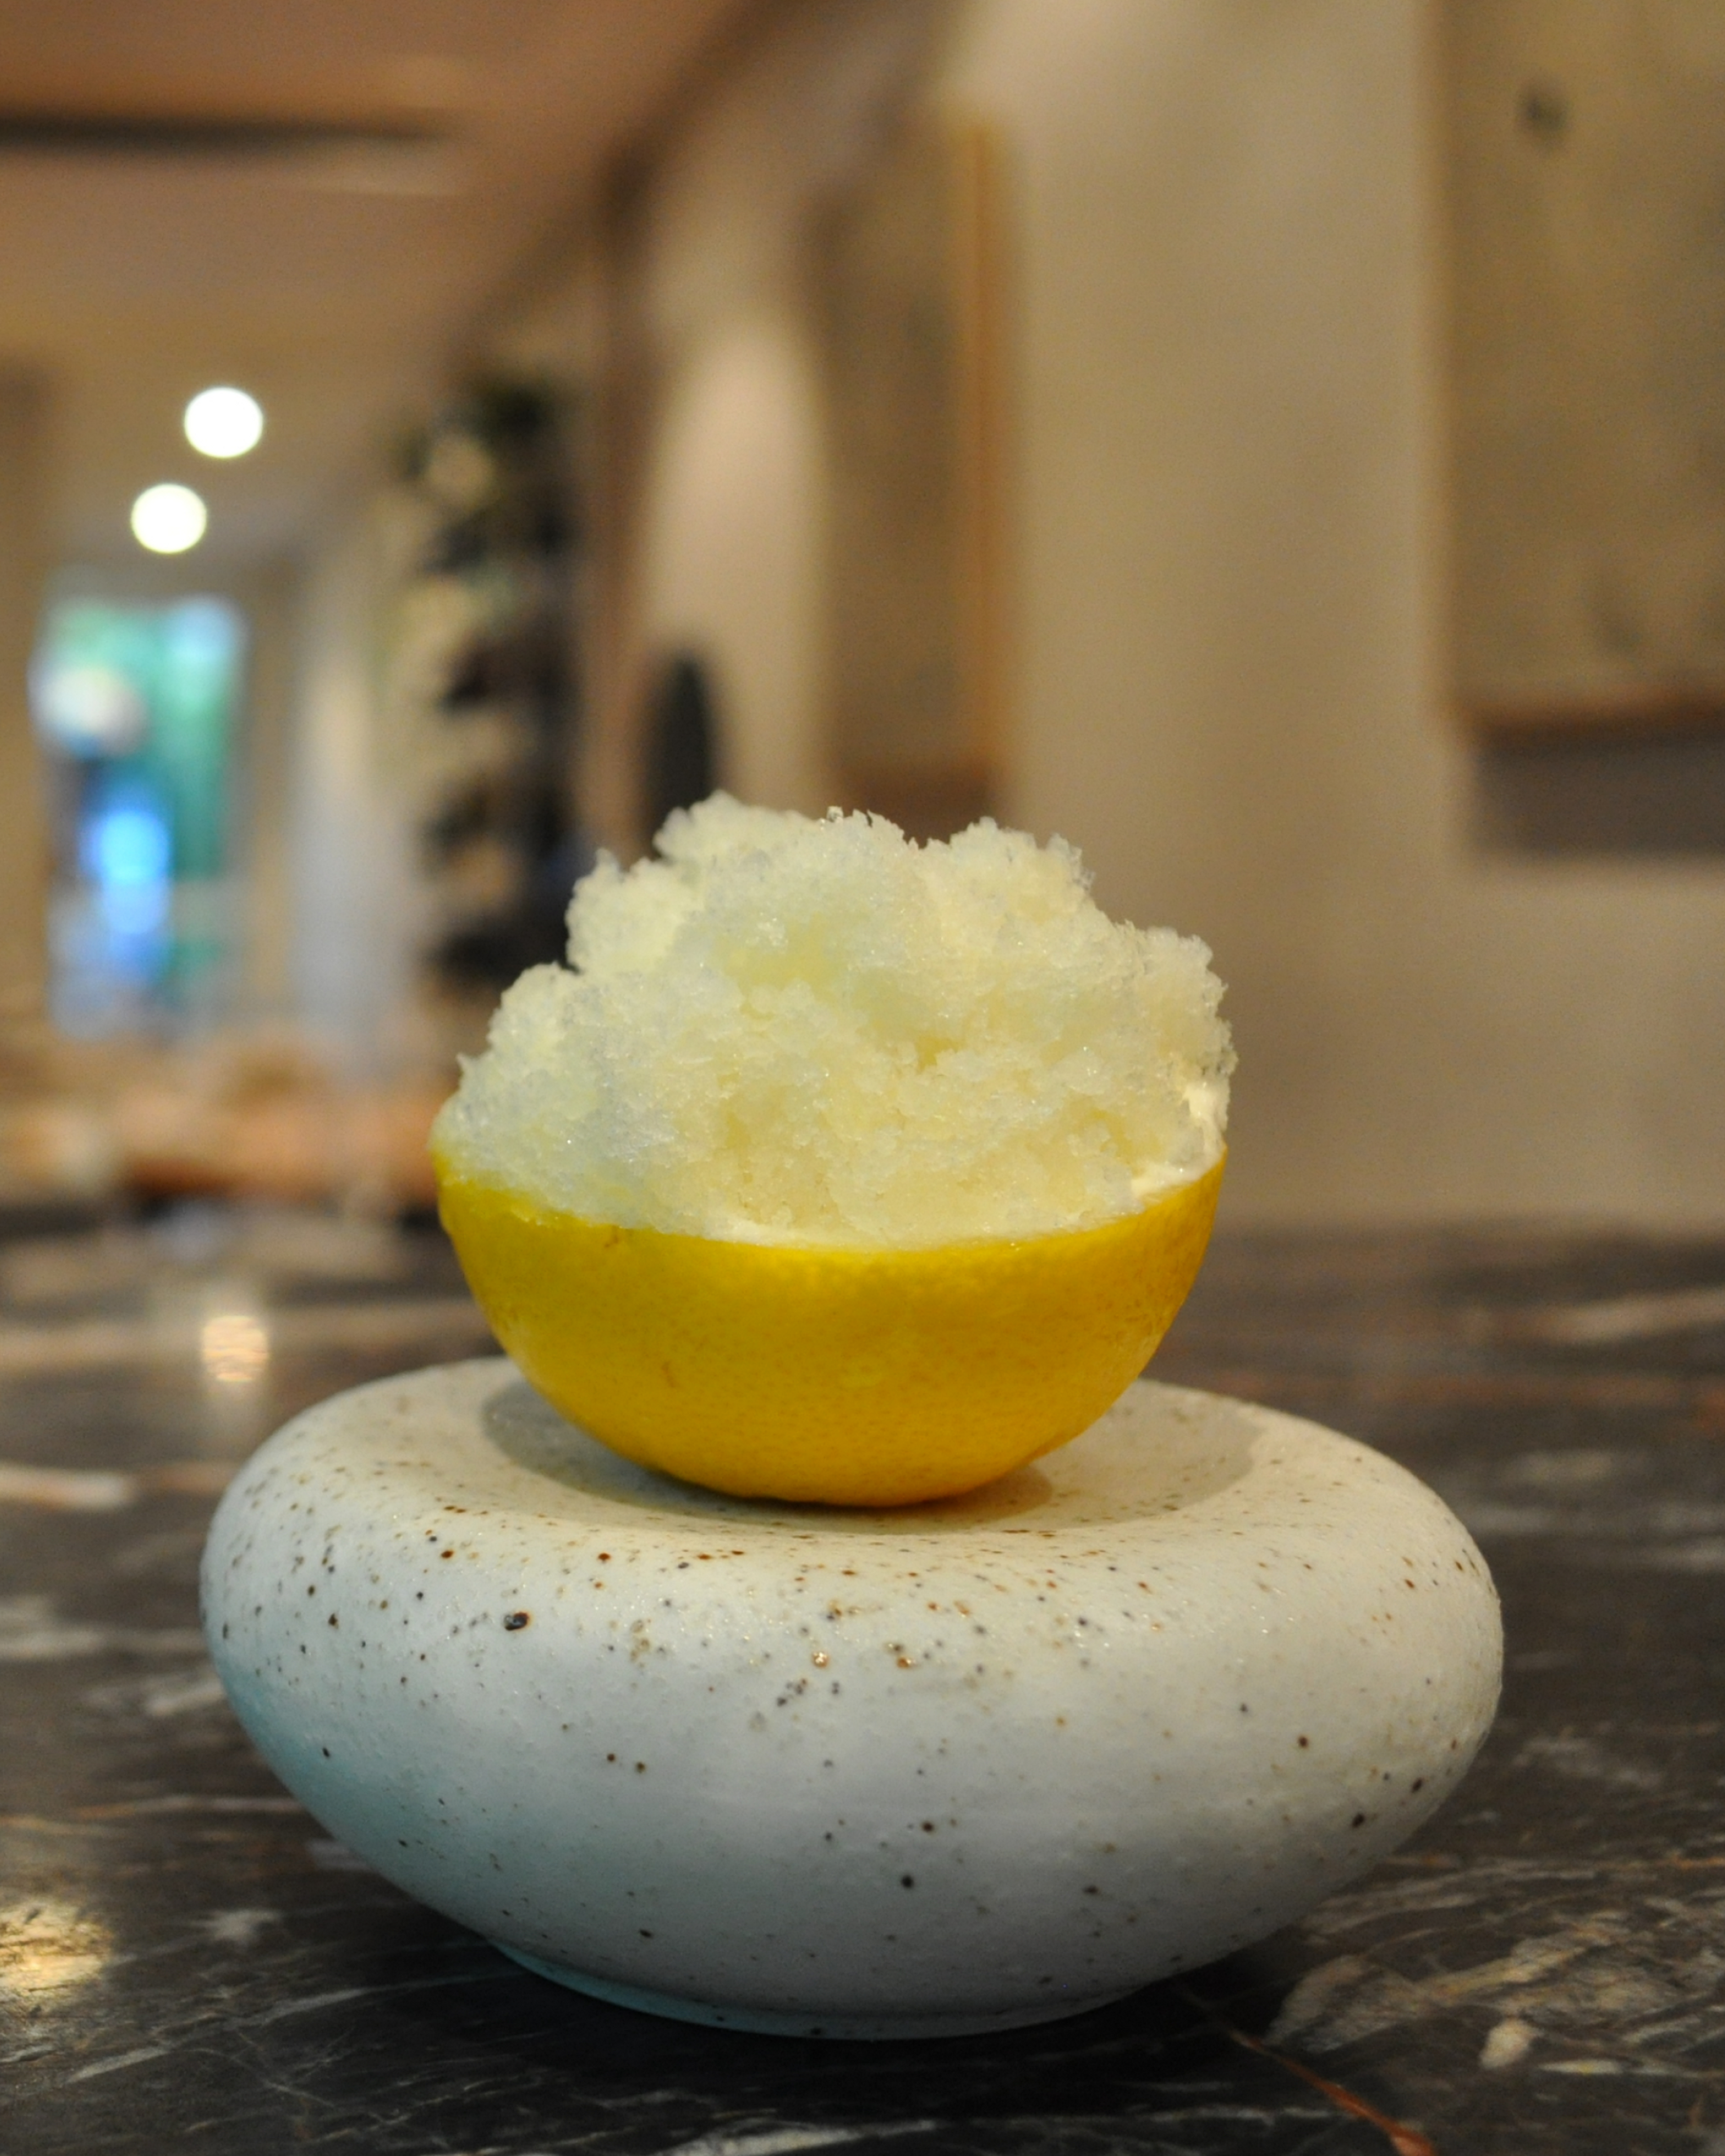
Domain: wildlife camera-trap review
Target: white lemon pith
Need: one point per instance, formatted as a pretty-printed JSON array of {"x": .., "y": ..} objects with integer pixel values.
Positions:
[{"x": 841, "y": 1167}]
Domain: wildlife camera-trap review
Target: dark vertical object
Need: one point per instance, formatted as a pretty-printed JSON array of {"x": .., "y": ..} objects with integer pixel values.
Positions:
[
  {"x": 502, "y": 844},
  {"x": 681, "y": 741}
]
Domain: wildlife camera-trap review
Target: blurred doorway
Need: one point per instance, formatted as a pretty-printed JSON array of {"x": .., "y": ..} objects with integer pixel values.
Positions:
[{"x": 137, "y": 706}]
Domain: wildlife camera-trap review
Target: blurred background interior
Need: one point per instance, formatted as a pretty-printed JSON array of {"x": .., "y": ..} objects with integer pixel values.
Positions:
[
  {"x": 1280, "y": 447},
  {"x": 1278, "y": 444}
]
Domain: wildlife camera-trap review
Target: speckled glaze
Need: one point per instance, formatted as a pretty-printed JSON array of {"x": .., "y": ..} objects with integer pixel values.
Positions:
[{"x": 981, "y": 1762}]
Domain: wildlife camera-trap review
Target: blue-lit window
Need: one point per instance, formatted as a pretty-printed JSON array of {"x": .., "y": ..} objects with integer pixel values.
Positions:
[{"x": 137, "y": 707}]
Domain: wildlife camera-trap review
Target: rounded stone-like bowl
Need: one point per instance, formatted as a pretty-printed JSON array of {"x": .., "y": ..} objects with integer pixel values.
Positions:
[{"x": 974, "y": 1764}]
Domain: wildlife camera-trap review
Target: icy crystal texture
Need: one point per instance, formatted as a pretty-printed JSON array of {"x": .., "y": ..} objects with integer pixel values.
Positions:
[{"x": 791, "y": 1031}]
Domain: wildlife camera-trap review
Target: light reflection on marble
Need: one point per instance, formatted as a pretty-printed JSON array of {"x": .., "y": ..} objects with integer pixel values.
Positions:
[
  {"x": 48, "y": 1946},
  {"x": 1543, "y": 1969}
]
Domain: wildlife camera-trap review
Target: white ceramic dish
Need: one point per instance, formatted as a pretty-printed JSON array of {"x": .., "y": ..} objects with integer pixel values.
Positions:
[{"x": 968, "y": 1765}]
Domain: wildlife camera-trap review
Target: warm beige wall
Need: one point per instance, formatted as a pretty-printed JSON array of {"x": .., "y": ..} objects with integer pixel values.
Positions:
[
  {"x": 24, "y": 413},
  {"x": 1230, "y": 531},
  {"x": 731, "y": 539},
  {"x": 1232, "y": 692},
  {"x": 731, "y": 508},
  {"x": 347, "y": 868}
]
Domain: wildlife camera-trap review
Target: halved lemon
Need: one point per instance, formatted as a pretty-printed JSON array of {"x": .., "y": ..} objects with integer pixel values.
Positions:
[{"x": 844, "y": 1376}]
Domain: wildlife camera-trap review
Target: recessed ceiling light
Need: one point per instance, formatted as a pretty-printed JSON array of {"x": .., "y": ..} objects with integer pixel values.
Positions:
[
  {"x": 224, "y": 423},
  {"x": 168, "y": 519}
]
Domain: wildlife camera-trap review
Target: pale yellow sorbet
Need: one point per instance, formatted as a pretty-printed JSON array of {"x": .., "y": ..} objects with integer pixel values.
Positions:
[{"x": 783, "y": 1030}]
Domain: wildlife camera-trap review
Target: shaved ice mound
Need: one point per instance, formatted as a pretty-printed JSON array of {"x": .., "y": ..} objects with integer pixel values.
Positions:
[{"x": 814, "y": 1032}]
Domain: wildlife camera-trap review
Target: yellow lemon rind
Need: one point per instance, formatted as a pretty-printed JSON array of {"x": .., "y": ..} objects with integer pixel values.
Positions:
[{"x": 841, "y": 1376}]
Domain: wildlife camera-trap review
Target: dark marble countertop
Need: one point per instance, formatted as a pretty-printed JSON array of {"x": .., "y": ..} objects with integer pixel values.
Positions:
[{"x": 187, "y": 1961}]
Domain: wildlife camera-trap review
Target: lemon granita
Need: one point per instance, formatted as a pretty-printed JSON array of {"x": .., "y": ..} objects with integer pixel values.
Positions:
[
  {"x": 841, "y": 1168},
  {"x": 816, "y": 1033}
]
